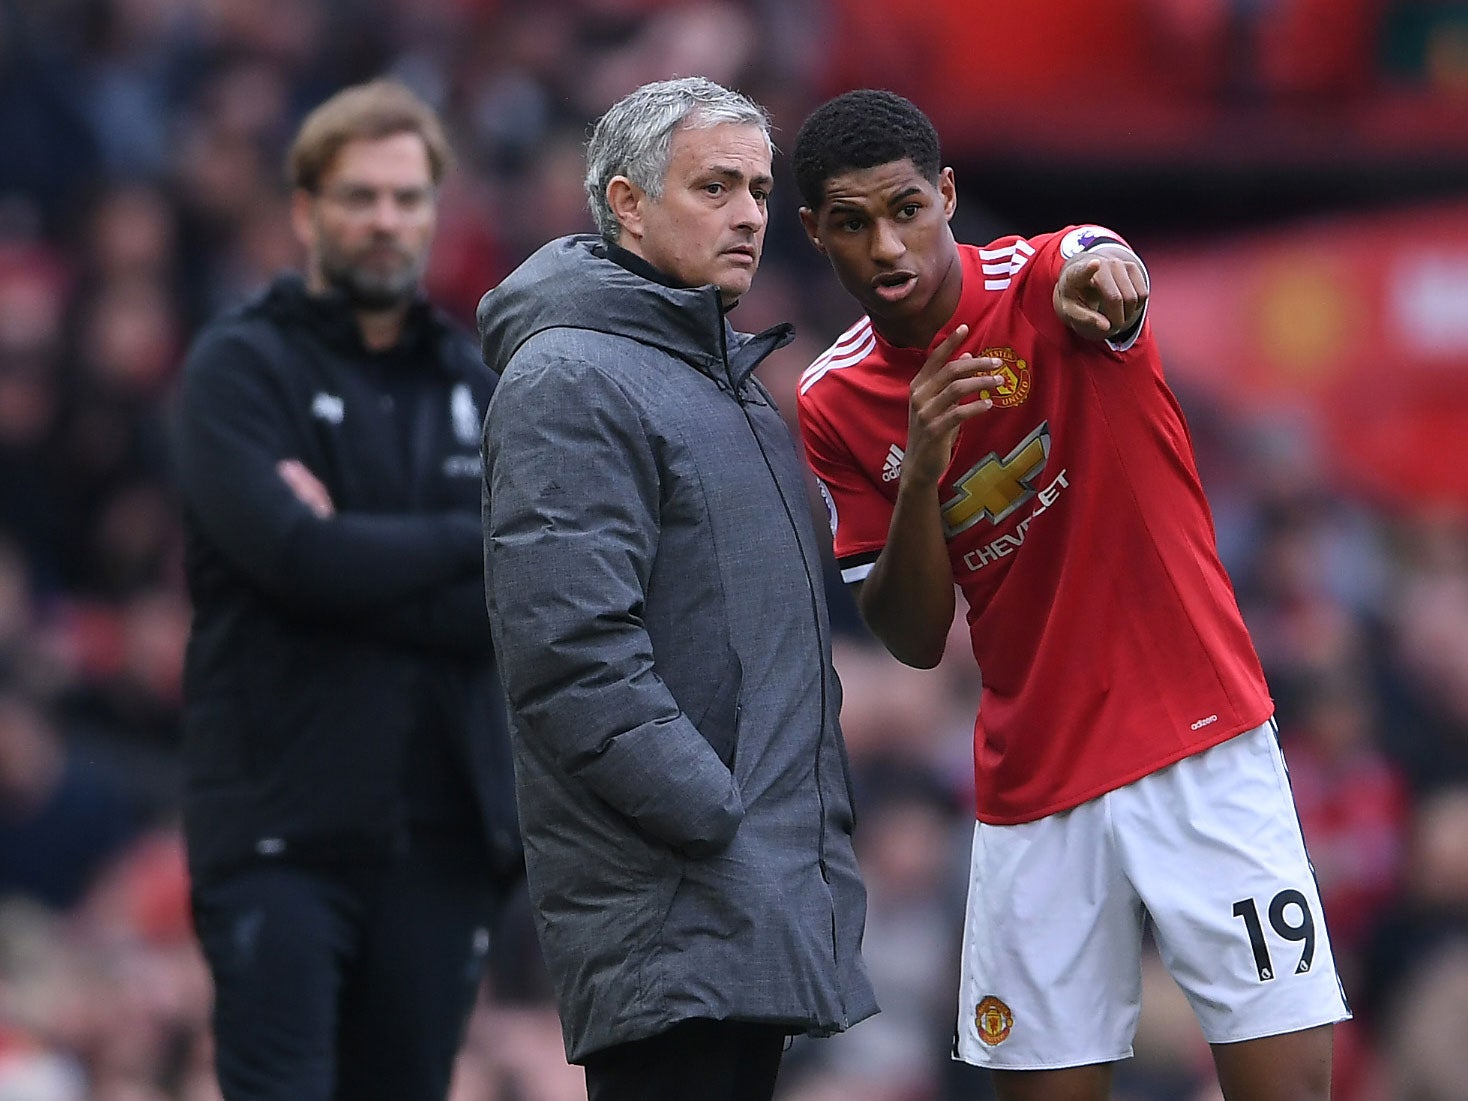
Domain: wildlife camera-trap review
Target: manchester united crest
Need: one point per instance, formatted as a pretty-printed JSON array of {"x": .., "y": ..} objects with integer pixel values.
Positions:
[
  {"x": 1016, "y": 375},
  {"x": 993, "y": 1020}
]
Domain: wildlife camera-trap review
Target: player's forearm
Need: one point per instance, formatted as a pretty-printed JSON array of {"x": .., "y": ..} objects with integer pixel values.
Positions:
[{"x": 907, "y": 599}]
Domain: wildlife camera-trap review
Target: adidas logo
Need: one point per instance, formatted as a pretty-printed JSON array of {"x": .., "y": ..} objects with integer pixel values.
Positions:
[{"x": 892, "y": 465}]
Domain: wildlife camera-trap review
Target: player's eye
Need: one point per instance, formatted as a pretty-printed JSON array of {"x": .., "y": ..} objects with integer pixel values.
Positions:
[
  {"x": 714, "y": 188},
  {"x": 908, "y": 212}
]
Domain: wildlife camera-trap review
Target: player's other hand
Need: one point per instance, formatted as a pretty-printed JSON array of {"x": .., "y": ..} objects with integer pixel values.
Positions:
[
  {"x": 943, "y": 395},
  {"x": 308, "y": 488},
  {"x": 1101, "y": 293}
]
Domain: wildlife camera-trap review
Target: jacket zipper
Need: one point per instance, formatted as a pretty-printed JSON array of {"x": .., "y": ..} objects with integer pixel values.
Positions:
[{"x": 815, "y": 620}]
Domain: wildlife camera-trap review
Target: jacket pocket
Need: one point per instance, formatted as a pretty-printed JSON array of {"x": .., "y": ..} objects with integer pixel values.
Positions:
[{"x": 719, "y": 720}]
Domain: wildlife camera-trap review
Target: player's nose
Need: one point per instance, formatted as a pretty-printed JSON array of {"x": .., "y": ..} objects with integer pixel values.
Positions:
[{"x": 887, "y": 244}]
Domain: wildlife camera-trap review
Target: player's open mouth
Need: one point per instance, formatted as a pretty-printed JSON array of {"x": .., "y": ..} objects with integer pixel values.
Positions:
[{"x": 894, "y": 286}]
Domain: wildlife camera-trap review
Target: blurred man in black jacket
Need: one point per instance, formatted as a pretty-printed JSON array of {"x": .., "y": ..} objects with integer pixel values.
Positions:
[{"x": 348, "y": 807}]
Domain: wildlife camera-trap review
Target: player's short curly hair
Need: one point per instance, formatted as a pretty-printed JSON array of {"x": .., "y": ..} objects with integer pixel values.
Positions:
[{"x": 862, "y": 129}]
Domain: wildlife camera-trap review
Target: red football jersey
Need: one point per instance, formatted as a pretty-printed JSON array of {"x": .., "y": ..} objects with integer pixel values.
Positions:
[{"x": 1106, "y": 629}]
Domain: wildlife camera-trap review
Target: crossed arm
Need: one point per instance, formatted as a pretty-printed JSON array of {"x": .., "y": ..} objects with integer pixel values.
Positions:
[{"x": 411, "y": 579}]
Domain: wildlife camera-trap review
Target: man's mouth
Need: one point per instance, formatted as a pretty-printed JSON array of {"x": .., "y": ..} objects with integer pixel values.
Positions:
[
  {"x": 383, "y": 254},
  {"x": 745, "y": 252},
  {"x": 893, "y": 286}
]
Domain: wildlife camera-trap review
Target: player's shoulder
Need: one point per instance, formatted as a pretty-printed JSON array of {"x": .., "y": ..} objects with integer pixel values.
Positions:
[
  {"x": 995, "y": 266},
  {"x": 1014, "y": 250},
  {"x": 1007, "y": 261},
  {"x": 849, "y": 350},
  {"x": 1006, "y": 256}
]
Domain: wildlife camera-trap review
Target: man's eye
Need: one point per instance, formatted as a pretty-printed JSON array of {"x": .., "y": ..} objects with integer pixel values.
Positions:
[
  {"x": 908, "y": 212},
  {"x": 714, "y": 188},
  {"x": 851, "y": 225}
]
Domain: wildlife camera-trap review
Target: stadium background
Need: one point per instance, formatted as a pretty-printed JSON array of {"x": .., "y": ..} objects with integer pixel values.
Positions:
[{"x": 1294, "y": 171}]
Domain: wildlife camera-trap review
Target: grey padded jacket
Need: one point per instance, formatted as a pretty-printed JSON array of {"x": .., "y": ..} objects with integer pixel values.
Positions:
[{"x": 654, "y": 591}]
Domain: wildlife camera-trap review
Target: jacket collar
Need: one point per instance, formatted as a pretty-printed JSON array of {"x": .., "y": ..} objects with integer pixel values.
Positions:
[
  {"x": 638, "y": 266},
  {"x": 330, "y": 316},
  {"x": 582, "y": 282}
]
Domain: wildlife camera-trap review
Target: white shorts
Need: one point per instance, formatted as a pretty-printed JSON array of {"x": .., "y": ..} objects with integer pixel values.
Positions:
[{"x": 1209, "y": 849}]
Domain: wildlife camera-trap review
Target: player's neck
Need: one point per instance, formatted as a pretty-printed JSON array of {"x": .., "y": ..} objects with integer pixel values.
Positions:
[{"x": 915, "y": 333}]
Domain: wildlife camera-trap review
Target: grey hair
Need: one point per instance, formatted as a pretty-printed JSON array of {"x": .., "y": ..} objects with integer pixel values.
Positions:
[{"x": 635, "y": 136}]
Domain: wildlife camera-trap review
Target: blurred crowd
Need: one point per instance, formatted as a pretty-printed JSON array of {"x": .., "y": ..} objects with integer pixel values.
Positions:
[{"x": 141, "y": 193}]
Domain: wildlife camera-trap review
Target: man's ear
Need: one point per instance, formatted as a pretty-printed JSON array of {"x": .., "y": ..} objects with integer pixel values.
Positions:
[
  {"x": 949, "y": 190},
  {"x": 626, "y": 200},
  {"x": 808, "y": 220},
  {"x": 302, "y": 202}
]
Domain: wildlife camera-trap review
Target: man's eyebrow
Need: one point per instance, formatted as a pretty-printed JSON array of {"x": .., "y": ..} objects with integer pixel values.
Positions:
[
  {"x": 905, "y": 194},
  {"x": 734, "y": 172},
  {"x": 363, "y": 187}
]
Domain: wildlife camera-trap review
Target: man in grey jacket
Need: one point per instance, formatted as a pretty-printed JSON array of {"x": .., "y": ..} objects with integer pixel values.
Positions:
[{"x": 655, "y": 598}]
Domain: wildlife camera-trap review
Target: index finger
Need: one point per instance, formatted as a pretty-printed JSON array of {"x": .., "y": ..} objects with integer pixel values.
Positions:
[
  {"x": 943, "y": 352},
  {"x": 1079, "y": 273}
]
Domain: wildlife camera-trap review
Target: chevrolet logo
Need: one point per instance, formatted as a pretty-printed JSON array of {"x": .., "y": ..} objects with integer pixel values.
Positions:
[{"x": 995, "y": 487}]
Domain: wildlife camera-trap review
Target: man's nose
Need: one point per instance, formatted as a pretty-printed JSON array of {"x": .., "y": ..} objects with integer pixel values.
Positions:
[
  {"x": 387, "y": 214},
  {"x": 887, "y": 246},
  {"x": 749, "y": 213}
]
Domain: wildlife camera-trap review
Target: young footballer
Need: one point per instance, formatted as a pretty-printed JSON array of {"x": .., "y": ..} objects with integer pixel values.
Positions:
[{"x": 998, "y": 420}]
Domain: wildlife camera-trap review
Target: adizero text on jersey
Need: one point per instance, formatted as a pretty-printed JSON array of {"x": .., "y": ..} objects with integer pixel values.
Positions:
[{"x": 1107, "y": 631}]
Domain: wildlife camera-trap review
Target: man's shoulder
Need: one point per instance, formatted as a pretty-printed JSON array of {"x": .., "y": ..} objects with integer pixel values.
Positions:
[
  {"x": 457, "y": 349},
  {"x": 854, "y": 350},
  {"x": 572, "y": 351},
  {"x": 246, "y": 332},
  {"x": 561, "y": 359},
  {"x": 1005, "y": 257},
  {"x": 454, "y": 333},
  {"x": 996, "y": 265},
  {"x": 1010, "y": 243}
]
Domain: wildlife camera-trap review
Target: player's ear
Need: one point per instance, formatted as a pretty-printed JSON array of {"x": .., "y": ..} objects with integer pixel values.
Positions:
[
  {"x": 808, "y": 220},
  {"x": 626, "y": 199},
  {"x": 949, "y": 190}
]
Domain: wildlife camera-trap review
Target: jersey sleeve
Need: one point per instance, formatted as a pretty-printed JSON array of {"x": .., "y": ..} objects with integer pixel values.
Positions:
[
  {"x": 859, "y": 513},
  {"x": 1051, "y": 251}
]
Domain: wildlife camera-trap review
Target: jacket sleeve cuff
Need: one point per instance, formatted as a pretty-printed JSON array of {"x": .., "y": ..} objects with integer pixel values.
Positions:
[{"x": 667, "y": 779}]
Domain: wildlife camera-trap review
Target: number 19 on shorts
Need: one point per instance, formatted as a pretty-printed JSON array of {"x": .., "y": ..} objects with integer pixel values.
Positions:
[{"x": 1290, "y": 918}]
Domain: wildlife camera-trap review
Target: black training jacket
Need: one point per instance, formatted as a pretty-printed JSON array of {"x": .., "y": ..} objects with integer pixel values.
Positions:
[{"x": 340, "y": 691}]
